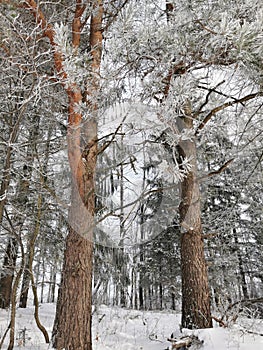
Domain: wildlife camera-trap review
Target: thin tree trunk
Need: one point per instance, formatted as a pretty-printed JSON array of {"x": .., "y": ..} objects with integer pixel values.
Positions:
[
  {"x": 135, "y": 294},
  {"x": 241, "y": 267},
  {"x": 43, "y": 280},
  {"x": 173, "y": 300},
  {"x": 7, "y": 273},
  {"x": 122, "y": 263},
  {"x": 131, "y": 305},
  {"x": 160, "y": 289},
  {"x": 150, "y": 297},
  {"x": 52, "y": 284},
  {"x": 7, "y": 276},
  {"x": 31, "y": 253},
  {"x": 25, "y": 284},
  {"x": 13, "y": 302},
  {"x": 141, "y": 255},
  {"x": 17, "y": 278},
  {"x": 24, "y": 191}
]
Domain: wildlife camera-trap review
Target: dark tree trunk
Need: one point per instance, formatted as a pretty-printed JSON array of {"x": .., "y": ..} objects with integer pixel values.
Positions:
[
  {"x": 141, "y": 301},
  {"x": 241, "y": 267},
  {"x": 25, "y": 286},
  {"x": 160, "y": 296},
  {"x": 52, "y": 285},
  {"x": 173, "y": 301},
  {"x": 141, "y": 274},
  {"x": 7, "y": 274},
  {"x": 150, "y": 297}
]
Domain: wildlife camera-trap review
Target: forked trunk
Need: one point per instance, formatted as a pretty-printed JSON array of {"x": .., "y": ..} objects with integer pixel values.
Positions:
[{"x": 72, "y": 327}]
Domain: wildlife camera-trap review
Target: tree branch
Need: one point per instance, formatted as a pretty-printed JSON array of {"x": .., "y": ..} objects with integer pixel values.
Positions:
[
  {"x": 205, "y": 27},
  {"x": 224, "y": 106},
  {"x": 216, "y": 91},
  {"x": 216, "y": 172},
  {"x": 221, "y": 323},
  {"x": 114, "y": 15},
  {"x": 207, "y": 97},
  {"x": 107, "y": 144}
]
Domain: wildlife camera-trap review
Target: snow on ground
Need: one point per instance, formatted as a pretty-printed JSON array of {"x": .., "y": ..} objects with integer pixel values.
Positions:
[{"x": 122, "y": 329}]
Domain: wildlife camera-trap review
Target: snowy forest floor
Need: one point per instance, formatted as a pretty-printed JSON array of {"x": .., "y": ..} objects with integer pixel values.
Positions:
[{"x": 123, "y": 329}]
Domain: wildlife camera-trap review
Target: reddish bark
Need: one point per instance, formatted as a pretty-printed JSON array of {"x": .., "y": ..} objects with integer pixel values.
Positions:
[{"x": 72, "y": 329}]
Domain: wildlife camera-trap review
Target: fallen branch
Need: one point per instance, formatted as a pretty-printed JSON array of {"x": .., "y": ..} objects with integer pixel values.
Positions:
[
  {"x": 243, "y": 302},
  {"x": 250, "y": 332},
  {"x": 185, "y": 342}
]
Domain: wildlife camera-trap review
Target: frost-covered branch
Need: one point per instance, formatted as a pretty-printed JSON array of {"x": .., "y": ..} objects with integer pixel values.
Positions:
[
  {"x": 224, "y": 106},
  {"x": 217, "y": 172}
]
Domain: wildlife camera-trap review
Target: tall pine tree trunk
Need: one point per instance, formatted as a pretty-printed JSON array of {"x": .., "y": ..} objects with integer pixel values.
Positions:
[
  {"x": 195, "y": 289},
  {"x": 196, "y": 311},
  {"x": 72, "y": 329}
]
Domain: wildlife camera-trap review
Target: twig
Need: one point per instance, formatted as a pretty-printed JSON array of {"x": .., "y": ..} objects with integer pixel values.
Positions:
[
  {"x": 153, "y": 337},
  {"x": 217, "y": 172},
  {"x": 205, "y": 27},
  {"x": 107, "y": 144},
  {"x": 4, "y": 335},
  {"x": 210, "y": 235}
]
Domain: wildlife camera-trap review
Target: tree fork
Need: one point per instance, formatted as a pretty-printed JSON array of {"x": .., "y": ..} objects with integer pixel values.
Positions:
[{"x": 72, "y": 328}]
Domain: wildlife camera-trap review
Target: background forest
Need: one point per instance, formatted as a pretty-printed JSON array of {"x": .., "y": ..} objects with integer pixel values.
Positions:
[{"x": 131, "y": 147}]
